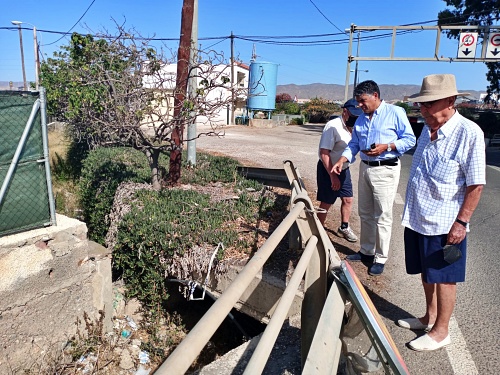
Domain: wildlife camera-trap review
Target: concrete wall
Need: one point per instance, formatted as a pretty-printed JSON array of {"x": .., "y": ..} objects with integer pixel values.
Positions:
[
  {"x": 261, "y": 297},
  {"x": 49, "y": 278}
]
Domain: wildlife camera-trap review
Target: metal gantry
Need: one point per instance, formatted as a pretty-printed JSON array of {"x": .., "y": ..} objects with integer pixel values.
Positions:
[{"x": 490, "y": 35}]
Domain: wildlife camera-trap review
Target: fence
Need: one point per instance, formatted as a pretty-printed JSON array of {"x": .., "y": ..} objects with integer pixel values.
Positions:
[{"x": 26, "y": 200}]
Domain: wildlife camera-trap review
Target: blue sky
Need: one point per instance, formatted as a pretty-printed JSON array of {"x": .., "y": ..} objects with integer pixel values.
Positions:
[{"x": 271, "y": 18}]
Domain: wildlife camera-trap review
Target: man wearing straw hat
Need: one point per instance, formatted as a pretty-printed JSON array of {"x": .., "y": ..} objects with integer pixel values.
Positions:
[{"x": 445, "y": 183}]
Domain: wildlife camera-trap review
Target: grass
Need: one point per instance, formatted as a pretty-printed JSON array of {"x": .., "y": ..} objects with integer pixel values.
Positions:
[{"x": 63, "y": 185}]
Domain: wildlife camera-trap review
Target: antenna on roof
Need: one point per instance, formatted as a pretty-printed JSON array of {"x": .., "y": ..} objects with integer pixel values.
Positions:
[{"x": 254, "y": 54}]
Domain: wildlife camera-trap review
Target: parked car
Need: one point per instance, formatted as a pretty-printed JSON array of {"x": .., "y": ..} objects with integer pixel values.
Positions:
[{"x": 495, "y": 140}]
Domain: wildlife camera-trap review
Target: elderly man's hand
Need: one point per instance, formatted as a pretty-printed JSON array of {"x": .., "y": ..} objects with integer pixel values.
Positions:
[{"x": 456, "y": 234}]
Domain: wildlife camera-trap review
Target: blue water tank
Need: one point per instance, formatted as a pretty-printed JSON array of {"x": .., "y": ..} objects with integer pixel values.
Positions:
[{"x": 262, "y": 85}]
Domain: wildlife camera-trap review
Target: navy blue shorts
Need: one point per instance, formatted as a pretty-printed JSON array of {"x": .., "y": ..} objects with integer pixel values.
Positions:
[
  {"x": 424, "y": 254},
  {"x": 325, "y": 192}
]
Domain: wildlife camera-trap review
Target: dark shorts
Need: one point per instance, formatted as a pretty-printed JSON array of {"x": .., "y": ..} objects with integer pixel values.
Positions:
[
  {"x": 424, "y": 254},
  {"x": 325, "y": 192}
]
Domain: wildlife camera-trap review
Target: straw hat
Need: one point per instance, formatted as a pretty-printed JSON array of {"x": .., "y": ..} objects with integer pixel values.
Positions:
[{"x": 437, "y": 86}]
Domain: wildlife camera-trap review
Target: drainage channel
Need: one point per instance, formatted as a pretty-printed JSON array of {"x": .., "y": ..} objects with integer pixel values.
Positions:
[{"x": 236, "y": 329}]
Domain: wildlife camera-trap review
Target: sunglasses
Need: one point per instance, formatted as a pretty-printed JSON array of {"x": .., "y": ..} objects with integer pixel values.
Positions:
[{"x": 428, "y": 104}]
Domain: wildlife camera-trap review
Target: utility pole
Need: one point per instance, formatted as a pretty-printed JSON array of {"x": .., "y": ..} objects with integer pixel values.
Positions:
[
  {"x": 183, "y": 57},
  {"x": 37, "y": 60},
  {"x": 193, "y": 61},
  {"x": 356, "y": 70},
  {"x": 25, "y": 86},
  {"x": 232, "y": 79}
]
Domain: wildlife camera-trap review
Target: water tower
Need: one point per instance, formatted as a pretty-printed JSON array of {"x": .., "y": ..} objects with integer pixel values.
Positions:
[{"x": 262, "y": 86}]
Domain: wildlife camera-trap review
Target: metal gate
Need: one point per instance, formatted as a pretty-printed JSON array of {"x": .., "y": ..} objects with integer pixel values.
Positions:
[{"x": 26, "y": 199}]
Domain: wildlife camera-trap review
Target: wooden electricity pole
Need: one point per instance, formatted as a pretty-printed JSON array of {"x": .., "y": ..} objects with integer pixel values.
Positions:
[{"x": 181, "y": 83}]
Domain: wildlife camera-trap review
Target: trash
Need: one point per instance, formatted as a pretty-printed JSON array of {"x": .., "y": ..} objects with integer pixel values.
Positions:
[
  {"x": 126, "y": 334},
  {"x": 87, "y": 361},
  {"x": 131, "y": 323},
  {"x": 142, "y": 370},
  {"x": 143, "y": 357}
]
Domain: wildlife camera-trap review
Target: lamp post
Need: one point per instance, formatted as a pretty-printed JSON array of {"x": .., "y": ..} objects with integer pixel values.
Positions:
[
  {"x": 35, "y": 45},
  {"x": 356, "y": 75},
  {"x": 22, "y": 52}
]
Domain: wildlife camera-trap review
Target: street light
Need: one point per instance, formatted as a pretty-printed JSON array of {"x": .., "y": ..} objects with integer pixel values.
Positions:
[
  {"x": 35, "y": 44},
  {"x": 356, "y": 75}
]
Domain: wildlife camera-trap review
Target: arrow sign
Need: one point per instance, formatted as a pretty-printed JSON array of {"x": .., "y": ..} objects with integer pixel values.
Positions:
[
  {"x": 493, "y": 43},
  {"x": 467, "y": 45}
]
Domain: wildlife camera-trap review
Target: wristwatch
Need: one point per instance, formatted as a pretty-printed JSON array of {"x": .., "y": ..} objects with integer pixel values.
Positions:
[
  {"x": 463, "y": 223},
  {"x": 389, "y": 148}
]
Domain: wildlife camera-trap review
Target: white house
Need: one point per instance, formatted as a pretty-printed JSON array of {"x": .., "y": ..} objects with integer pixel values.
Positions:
[{"x": 221, "y": 94}]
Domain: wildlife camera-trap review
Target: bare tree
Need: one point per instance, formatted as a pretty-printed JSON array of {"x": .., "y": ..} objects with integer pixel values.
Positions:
[{"x": 121, "y": 90}]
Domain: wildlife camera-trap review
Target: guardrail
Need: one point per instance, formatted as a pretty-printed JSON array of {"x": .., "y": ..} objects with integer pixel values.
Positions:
[{"x": 322, "y": 309}]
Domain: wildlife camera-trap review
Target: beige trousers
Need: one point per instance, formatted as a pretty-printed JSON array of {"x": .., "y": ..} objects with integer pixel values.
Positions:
[{"x": 377, "y": 187}]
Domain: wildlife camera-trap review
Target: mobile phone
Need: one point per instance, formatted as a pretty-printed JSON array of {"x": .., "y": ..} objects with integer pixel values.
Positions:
[
  {"x": 451, "y": 253},
  {"x": 372, "y": 146}
]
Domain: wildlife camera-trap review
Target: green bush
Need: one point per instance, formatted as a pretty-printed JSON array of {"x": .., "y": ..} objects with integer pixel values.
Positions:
[
  {"x": 106, "y": 168},
  {"x": 209, "y": 169},
  {"x": 289, "y": 108},
  {"x": 165, "y": 224},
  {"x": 403, "y": 105},
  {"x": 103, "y": 171},
  {"x": 297, "y": 121}
]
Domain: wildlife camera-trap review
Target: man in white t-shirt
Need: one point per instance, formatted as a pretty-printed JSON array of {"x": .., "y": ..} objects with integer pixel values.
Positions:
[{"x": 334, "y": 139}]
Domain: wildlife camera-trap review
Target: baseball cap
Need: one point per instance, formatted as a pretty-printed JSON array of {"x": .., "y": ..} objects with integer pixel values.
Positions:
[{"x": 352, "y": 106}]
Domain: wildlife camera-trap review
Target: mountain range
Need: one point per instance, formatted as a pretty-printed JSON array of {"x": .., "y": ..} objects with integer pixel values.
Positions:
[
  {"x": 325, "y": 90},
  {"x": 336, "y": 92}
]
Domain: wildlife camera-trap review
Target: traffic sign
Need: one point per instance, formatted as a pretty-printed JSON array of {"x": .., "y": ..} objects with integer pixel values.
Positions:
[
  {"x": 493, "y": 50},
  {"x": 467, "y": 45}
]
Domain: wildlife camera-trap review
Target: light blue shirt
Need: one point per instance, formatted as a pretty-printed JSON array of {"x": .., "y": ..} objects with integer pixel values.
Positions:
[
  {"x": 389, "y": 124},
  {"x": 440, "y": 173}
]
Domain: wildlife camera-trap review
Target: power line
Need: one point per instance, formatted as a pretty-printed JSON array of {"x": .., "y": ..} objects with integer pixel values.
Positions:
[
  {"x": 326, "y": 18},
  {"x": 273, "y": 40},
  {"x": 76, "y": 23}
]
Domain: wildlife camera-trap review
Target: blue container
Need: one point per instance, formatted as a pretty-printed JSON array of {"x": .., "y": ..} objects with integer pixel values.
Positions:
[{"x": 262, "y": 86}]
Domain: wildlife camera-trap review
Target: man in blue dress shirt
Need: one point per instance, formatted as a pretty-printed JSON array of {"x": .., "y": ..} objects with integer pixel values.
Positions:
[{"x": 382, "y": 134}]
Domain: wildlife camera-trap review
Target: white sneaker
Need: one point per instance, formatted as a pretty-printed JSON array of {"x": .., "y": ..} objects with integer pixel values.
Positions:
[{"x": 348, "y": 234}]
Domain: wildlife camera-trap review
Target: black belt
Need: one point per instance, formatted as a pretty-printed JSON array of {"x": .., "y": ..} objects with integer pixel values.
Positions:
[{"x": 392, "y": 162}]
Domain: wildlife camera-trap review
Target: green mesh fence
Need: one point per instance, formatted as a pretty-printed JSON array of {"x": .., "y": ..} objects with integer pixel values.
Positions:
[{"x": 24, "y": 194}]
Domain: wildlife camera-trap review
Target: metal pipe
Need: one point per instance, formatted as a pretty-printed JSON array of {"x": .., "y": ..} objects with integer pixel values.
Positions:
[
  {"x": 183, "y": 356},
  {"x": 43, "y": 119},
  {"x": 19, "y": 149},
  {"x": 263, "y": 350}
]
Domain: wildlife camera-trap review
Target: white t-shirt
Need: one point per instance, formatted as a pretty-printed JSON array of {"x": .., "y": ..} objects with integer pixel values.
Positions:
[{"x": 335, "y": 138}]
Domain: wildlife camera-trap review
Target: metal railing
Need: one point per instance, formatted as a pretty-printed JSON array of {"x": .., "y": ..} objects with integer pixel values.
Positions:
[{"x": 322, "y": 308}]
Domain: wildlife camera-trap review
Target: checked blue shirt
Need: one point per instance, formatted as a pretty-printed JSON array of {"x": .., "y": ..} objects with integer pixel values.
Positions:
[{"x": 440, "y": 173}]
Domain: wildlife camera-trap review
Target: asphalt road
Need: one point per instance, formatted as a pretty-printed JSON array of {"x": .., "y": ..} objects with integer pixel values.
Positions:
[{"x": 474, "y": 327}]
